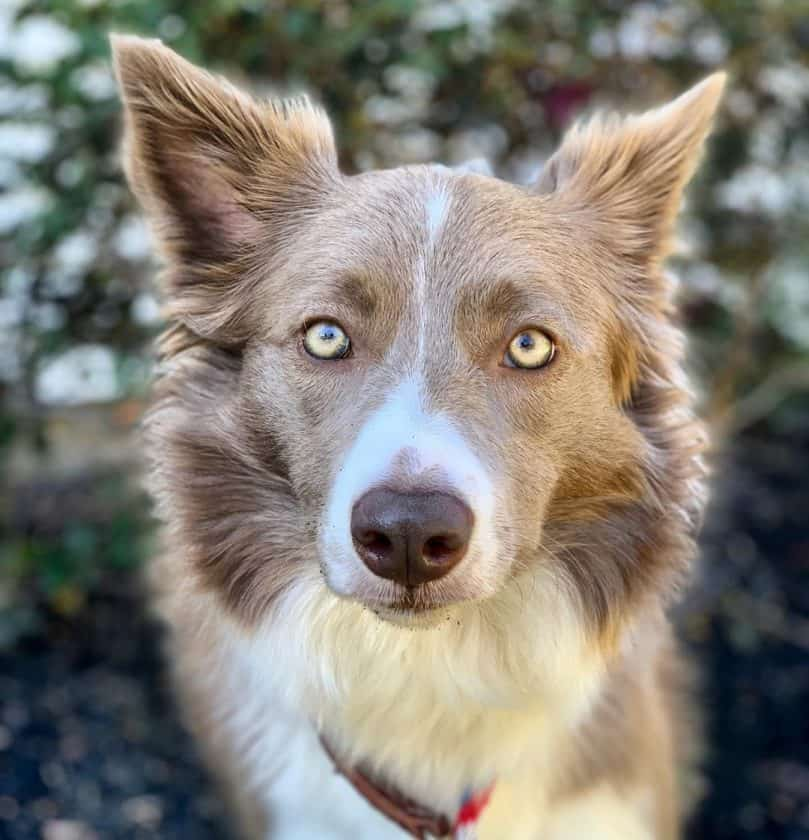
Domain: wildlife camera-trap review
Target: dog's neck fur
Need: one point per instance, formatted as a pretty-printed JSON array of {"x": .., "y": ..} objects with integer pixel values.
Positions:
[{"x": 437, "y": 712}]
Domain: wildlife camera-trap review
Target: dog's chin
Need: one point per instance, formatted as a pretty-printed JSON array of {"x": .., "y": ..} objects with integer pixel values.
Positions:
[
  {"x": 412, "y": 618},
  {"x": 416, "y": 608}
]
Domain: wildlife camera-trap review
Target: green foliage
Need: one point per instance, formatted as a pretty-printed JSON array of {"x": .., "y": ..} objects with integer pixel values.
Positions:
[{"x": 58, "y": 557}]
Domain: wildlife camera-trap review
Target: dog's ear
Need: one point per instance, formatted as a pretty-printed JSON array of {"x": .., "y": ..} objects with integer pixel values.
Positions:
[
  {"x": 219, "y": 174},
  {"x": 628, "y": 174}
]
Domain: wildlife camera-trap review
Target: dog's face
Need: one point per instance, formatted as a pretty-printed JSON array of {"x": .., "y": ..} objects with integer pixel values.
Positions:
[
  {"x": 445, "y": 376},
  {"x": 438, "y": 363}
]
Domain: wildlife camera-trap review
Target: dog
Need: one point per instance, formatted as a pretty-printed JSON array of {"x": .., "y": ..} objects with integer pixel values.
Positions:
[{"x": 428, "y": 466}]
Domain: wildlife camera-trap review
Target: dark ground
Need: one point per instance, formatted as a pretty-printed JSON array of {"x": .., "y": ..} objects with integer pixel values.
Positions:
[{"x": 90, "y": 746}]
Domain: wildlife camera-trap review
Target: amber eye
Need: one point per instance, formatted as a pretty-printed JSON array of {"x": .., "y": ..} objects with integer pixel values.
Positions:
[
  {"x": 326, "y": 340},
  {"x": 529, "y": 349}
]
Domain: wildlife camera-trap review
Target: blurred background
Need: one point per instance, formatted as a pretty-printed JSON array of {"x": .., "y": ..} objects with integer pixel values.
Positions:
[{"x": 89, "y": 743}]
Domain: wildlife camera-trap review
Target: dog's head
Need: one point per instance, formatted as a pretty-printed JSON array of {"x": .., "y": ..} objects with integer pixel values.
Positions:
[{"x": 425, "y": 381}]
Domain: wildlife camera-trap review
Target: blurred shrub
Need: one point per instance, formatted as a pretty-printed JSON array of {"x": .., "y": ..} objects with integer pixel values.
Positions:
[
  {"x": 404, "y": 81},
  {"x": 65, "y": 536}
]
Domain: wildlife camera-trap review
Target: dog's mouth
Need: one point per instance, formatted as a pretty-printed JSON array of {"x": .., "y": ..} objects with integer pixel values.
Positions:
[
  {"x": 411, "y": 608},
  {"x": 407, "y": 602},
  {"x": 407, "y": 614}
]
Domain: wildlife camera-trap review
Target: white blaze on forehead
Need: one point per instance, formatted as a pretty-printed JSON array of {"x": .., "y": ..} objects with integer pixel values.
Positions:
[
  {"x": 437, "y": 204},
  {"x": 436, "y": 208},
  {"x": 431, "y": 443}
]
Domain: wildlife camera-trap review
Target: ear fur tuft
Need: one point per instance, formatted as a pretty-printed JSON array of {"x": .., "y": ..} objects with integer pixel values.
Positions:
[{"x": 630, "y": 172}]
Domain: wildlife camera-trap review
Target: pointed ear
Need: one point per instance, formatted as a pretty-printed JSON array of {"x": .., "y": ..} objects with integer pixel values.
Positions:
[
  {"x": 218, "y": 173},
  {"x": 628, "y": 173}
]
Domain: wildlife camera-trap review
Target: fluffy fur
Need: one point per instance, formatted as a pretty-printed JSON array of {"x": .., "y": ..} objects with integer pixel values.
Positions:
[{"x": 544, "y": 660}]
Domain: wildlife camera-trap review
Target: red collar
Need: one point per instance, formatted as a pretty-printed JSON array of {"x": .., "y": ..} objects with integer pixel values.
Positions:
[{"x": 415, "y": 819}]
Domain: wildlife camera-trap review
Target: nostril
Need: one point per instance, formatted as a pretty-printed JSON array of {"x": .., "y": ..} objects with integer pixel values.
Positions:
[
  {"x": 375, "y": 542},
  {"x": 440, "y": 548}
]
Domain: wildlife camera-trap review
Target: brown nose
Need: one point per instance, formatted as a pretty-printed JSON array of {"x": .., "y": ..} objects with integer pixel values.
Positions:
[{"x": 411, "y": 538}]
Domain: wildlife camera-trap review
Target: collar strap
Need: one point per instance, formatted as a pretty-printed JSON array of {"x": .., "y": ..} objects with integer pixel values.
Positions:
[{"x": 416, "y": 820}]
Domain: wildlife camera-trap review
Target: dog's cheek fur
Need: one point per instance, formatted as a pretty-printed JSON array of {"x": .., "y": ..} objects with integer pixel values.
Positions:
[
  {"x": 228, "y": 505},
  {"x": 306, "y": 416},
  {"x": 240, "y": 470}
]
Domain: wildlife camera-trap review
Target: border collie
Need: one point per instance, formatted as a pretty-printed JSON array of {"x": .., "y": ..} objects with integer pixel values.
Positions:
[{"x": 430, "y": 476}]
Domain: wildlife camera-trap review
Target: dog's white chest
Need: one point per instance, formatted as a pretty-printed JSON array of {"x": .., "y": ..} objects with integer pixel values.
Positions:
[{"x": 308, "y": 800}]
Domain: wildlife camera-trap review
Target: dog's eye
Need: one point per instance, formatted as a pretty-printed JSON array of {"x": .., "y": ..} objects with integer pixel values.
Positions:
[
  {"x": 326, "y": 340},
  {"x": 529, "y": 349}
]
